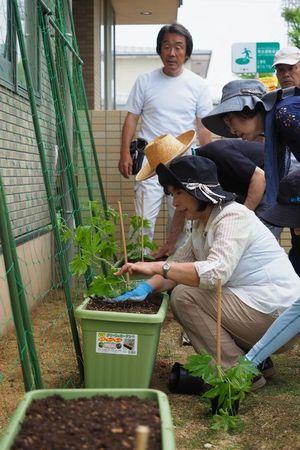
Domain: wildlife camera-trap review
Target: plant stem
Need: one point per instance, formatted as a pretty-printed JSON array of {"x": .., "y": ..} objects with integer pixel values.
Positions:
[{"x": 112, "y": 266}]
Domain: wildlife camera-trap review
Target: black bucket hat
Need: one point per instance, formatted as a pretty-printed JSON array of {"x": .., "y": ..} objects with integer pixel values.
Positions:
[
  {"x": 195, "y": 175},
  {"x": 236, "y": 95},
  {"x": 286, "y": 212}
]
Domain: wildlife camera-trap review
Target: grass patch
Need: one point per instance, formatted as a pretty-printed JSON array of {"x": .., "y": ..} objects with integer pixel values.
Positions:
[{"x": 271, "y": 415}]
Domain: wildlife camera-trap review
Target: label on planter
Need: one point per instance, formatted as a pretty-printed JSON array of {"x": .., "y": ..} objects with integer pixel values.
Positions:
[{"x": 116, "y": 343}]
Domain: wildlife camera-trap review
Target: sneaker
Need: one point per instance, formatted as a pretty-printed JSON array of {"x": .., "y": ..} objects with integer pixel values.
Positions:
[
  {"x": 258, "y": 383},
  {"x": 185, "y": 340},
  {"x": 267, "y": 368}
]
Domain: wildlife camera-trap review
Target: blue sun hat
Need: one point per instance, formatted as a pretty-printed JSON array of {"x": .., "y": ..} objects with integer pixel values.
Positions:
[{"x": 236, "y": 95}]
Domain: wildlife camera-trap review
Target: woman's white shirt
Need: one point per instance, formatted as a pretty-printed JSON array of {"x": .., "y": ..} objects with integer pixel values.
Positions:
[{"x": 237, "y": 248}]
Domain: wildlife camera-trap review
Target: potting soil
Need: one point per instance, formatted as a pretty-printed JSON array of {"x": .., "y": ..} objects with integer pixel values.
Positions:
[
  {"x": 149, "y": 306},
  {"x": 99, "y": 422}
]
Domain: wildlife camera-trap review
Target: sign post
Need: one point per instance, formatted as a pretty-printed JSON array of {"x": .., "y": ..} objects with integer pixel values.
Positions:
[{"x": 253, "y": 57}]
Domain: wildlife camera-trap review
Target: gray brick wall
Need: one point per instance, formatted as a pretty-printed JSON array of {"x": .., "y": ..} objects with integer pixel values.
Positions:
[{"x": 20, "y": 166}]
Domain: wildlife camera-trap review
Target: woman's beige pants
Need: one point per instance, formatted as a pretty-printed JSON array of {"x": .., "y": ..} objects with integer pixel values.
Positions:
[{"x": 242, "y": 326}]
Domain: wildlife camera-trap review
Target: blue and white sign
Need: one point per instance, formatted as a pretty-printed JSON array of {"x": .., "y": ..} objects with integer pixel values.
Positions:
[
  {"x": 243, "y": 57},
  {"x": 252, "y": 57}
]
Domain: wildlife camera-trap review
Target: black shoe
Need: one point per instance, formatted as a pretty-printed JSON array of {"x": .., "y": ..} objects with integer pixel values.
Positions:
[
  {"x": 257, "y": 383},
  {"x": 267, "y": 368},
  {"x": 182, "y": 382}
]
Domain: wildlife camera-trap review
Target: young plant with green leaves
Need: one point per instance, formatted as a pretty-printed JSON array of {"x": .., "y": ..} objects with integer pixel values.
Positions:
[
  {"x": 138, "y": 242},
  {"x": 228, "y": 387},
  {"x": 97, "y": 247}
]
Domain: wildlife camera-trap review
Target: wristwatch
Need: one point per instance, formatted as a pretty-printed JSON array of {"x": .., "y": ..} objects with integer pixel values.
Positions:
[{"x": 166, "y": 267}]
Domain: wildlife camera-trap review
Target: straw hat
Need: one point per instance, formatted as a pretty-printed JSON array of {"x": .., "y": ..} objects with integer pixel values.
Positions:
[{"x": 162, "y": 150}]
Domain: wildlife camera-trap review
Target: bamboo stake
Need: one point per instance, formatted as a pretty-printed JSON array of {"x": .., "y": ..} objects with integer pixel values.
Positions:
[
  {"x": 123, "y": 239},
  {"x": 141, "y": 437},
  {"x": 219, "y": 318},
  {"x": 142, "y": 227}
]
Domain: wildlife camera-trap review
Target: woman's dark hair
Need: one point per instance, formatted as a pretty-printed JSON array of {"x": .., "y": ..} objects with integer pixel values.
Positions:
[
  {"x": 248, "y": 113},
  {"x": 175, "y": 28},
  {"x": 201, "y": 204}
]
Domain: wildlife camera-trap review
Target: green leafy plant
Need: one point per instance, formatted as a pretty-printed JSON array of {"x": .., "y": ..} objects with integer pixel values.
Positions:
[
  {"x": 227, "y": 422},
  {"x": 292, "y": 17},
  {"x": 97, "y": 247},
  {"x": 134, "y": 246},
  {"x": 228, "y": 387}
]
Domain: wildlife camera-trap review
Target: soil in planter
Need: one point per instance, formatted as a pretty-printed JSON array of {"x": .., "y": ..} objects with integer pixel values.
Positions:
[
  {"x": 100, "y": 422},
  {"x": 149, "y": 306}
]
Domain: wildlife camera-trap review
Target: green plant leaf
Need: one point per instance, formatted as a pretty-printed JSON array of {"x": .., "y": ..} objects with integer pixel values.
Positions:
[
  {"x": 212, "y": 393},
  {"x": 106, "y": 287},
  {"x": 200, "y": 366},
  {"x": 78, "y": 265},
  {"x": 226, "y": 422},
  {"x": 227, "y": 386}
]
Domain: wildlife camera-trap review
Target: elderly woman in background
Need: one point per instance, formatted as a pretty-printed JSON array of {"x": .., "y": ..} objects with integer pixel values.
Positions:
[{"x": 247, "y": 111}]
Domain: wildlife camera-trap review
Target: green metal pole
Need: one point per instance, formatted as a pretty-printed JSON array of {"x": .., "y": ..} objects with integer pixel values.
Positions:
[
  {"x": 80, "y": 79},
  {"x": 75, "y": 113},
  {"x": 51, "y": 21},
  {"x": 62, "y": 50},
  {"x": 23, "y": 305},
  {"x": 44, "y": 25},
  {"x": 14, "y": 294},
  {"x": 47, "y": 182}
]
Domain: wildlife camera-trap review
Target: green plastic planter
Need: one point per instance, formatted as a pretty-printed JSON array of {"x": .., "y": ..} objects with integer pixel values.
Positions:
[
  {"x": 168, "y": 441},
  {"x": 119, "y": 349}
]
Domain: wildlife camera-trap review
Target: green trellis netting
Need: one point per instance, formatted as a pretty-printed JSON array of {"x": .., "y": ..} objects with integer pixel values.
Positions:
[{"x": 55, "y": 159}]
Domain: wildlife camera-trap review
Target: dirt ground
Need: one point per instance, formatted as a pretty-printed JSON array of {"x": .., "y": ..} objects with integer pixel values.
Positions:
[{"x": 271, "y": 416}]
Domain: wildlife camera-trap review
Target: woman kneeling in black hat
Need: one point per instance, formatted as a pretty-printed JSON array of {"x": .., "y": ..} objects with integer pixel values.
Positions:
[{"x": 228, "y": 242}]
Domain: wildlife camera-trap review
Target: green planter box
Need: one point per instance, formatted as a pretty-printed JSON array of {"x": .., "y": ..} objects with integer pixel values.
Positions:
[
  {"x": 119, "y": 349},
  {"x": 168, "y": 441}
]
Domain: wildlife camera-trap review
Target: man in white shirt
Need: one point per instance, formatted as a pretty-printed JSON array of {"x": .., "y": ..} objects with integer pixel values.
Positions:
[{"x": 169, "y": 100}]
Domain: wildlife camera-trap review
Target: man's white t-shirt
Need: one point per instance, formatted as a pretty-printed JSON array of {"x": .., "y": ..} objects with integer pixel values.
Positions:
[{"x": 168, "y": 104}]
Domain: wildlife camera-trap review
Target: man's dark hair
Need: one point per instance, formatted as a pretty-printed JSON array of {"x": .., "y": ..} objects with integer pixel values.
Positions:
[{"x": 175, "y": 28}]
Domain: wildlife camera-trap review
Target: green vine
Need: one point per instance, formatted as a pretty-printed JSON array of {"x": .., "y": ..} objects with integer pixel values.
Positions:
[
  {"x": 228, "y": 387},
  {"x": 97, "y": 246}
]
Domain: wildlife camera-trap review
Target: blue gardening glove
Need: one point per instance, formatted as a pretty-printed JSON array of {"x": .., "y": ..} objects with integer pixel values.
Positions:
[{"x": 137, "y": 294}]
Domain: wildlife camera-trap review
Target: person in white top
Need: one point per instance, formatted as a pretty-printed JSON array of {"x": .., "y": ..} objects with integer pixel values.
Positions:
[
  {"x": 229, "y": 243},
  {"x": 169, "y": 100}
]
